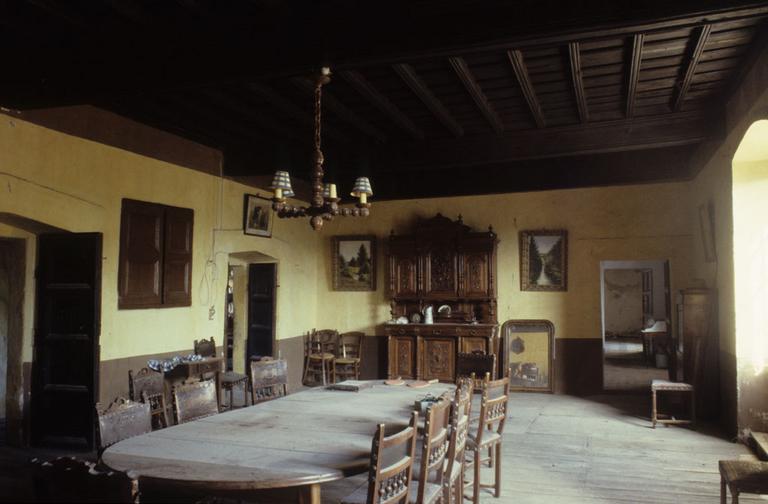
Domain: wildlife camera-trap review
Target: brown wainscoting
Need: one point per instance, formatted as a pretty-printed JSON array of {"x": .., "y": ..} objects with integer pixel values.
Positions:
[
  {"x": 292, "y": 350},
  {"x": 578, "y": 366},
  {"x": 113, "y": 373}
]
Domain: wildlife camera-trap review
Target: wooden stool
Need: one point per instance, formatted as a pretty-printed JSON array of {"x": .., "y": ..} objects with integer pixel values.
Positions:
[{"x": 742, "y": 476}]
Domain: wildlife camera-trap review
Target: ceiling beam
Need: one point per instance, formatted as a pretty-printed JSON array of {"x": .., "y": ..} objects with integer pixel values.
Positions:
[
  {"x": 420, "y": 89},
  {"x": 342, "y": 111},
  {"x": 682, "y": 128},
  {"x": 526, "y": 86},
  {"x": 466, "y": 77},
  {"x": 634, "y": 72},
  {"x": 574, "y": 56},
  {"x": 292, "y": 110},
  {"x": 365, "y": 88},
  {"x": 699, "y": 41}
]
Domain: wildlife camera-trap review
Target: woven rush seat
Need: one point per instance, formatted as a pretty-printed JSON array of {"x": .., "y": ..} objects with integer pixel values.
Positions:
[
  {"x": 743, "y": 476},
  {"x": 670, "y": 385},
  {"x": 489, "y": 438}
]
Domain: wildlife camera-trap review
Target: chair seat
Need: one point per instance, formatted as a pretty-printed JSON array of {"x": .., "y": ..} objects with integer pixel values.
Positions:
[
  {"x": 323, "y": 356},
  {"x": 431, "y": 493},
  {"x": 670, "y": 385},
  {"x": 347, "y": 360},
  {"x": 745, "y": 475},
  {"x": 230, "y": 377},
  {"x": 489, "y": 438}
]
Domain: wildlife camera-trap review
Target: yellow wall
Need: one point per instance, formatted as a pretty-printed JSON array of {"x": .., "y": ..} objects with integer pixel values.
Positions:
[
  {"x": 648, "y": 222},
  {"x": 77, "y": 185}
]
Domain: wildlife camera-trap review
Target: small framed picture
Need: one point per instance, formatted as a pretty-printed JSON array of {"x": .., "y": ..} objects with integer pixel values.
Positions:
[
  {"x": 544, "y": 260},
  {"x": 257, "y": 215},
  {"x": 354, "y": 263}
]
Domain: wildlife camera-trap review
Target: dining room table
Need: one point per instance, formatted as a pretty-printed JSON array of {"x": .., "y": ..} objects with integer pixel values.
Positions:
[{"x": 280, "y": 450}]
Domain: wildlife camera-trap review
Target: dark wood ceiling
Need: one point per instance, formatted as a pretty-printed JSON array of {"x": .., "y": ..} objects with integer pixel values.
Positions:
[{"x": 428, "y": 98}]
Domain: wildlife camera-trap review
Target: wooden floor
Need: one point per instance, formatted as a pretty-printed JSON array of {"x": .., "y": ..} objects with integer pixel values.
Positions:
[{"x": 562, "y": 449}]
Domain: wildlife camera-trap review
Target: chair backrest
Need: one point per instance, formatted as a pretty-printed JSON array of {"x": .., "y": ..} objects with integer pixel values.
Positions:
[
  {"x": 322, "y": 341},
  {"x": 146, "y": 381},
  {"x": 460, "y": 411},
  {"x": 392, "y": 464},
  {"x": 122, "y": 419},
  {"x": 195, "y": 400},
  {"x": 350, "y": 345},
  {"x": 476, "y": 364},
  {"x": 493, "y": 407},
  {"x": 206, "y": 348},
  {"x": 67, "y": 479},
  {"x": 269, "y": 379},
  {"x": 435, "y": 445}
]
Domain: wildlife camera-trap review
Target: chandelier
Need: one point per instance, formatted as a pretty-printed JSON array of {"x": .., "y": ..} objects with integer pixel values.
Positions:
[{"x": 324, "y": 204}]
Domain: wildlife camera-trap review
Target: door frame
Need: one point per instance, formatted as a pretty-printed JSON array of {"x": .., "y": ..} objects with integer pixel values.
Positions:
[{"x": 14, "y": 256}]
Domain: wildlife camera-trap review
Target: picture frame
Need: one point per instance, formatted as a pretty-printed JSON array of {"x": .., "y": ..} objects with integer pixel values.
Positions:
[
  {"x": 257, "y": 215},
  {"x": 347, "y": 254},
  {"x": 544, "y": 260},
  {"x": 528, "y": 351}
]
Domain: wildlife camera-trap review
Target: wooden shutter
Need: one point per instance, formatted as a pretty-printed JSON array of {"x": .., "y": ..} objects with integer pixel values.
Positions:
[
  {"x": 177, "y": 267},
  {"x": 141, "y": 254}
]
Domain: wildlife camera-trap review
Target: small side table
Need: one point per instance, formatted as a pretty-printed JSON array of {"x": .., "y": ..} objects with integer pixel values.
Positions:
[{"x": 742, "y": 476}]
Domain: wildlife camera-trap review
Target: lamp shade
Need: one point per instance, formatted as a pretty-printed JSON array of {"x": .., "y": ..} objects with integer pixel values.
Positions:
[
  {"x": 282, "y": 181},
  {"x": 362, "y": 186},
  {"x": 326, "y": 190}
]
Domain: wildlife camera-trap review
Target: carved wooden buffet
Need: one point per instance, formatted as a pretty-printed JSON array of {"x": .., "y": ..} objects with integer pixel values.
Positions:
[{"x": 445, "y": 264}]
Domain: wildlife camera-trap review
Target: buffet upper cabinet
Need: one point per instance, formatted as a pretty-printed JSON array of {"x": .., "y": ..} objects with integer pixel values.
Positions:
[{"x": 443, "y": 262}]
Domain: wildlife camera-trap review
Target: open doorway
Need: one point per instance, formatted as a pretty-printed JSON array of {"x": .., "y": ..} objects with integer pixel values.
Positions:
[
  {"x": 5, "y": 295},
  {"x": 251, "y": 307},
  {"x": 636, "y": 323}
]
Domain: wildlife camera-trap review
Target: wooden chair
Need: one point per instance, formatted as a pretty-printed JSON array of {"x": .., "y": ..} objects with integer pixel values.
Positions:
[
  {"x": 677, "y": 387},
  {"x": 389, "y": 476},
  {"x": 488, "y": 433},
  {"x": 229, "y": 379},
  {"x": 347, "y": 361},
  {"x": 149, "y": 386},
  {"x": 122, "y": 419},
  {"x": 194, "y": 400},
  {"x": 454, "y": 470},
  {"x": 67, "y": 479},
  {"x": 269, "y": 380},
  {"x": 319, "y": 353},
  {"x": 436, "y": 442},
  {"x": 476, "y": 365},
  {"x": 742, "y": 476}
]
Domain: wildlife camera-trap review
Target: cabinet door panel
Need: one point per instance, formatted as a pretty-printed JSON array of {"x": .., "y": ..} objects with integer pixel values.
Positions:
[
  {"x": 440, "y": 265},
  {"x": 404, "y": 275},
  {"x": 438, "y": 359},
  {"x": 474, "y": 267},
  {"x": 469, "y": 345},
  {"x": 402, "y": 358}
]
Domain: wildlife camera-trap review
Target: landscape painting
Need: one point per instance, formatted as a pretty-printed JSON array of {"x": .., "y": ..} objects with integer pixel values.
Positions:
[
  {"x": 543, "y": 260},
  {"x": 354, "y": 263}
]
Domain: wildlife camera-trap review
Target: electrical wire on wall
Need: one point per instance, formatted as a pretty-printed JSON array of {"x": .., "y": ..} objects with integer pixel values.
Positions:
[{"x": 210, "y": 273}]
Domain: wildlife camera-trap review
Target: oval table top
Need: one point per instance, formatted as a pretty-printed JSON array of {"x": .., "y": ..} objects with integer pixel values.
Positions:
[{"x": 309, "y": 437}]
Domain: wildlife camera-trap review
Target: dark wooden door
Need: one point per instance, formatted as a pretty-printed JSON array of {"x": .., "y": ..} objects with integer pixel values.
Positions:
[
  {"x": 440, "y": 271},
  {"x": 66, "y": 347},
  {"x": 261, "y": 310}
]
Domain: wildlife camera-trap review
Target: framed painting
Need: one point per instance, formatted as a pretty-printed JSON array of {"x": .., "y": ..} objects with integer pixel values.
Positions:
[
  {"x": 354, "y": 263},
  {"x": 528, "y": 350},
  {"x": 544, "y": 260},
  {"x": 257, "y": 215}
]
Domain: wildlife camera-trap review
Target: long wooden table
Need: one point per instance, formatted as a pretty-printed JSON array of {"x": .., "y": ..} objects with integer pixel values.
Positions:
[{"x": 296, "y": 442}]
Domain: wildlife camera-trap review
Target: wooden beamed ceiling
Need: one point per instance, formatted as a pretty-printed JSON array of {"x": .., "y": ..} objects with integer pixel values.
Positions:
[{"x": 582, "y": 90}]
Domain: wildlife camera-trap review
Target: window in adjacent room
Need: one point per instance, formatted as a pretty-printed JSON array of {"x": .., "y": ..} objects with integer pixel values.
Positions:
[{"x": 155, "y": 255}]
